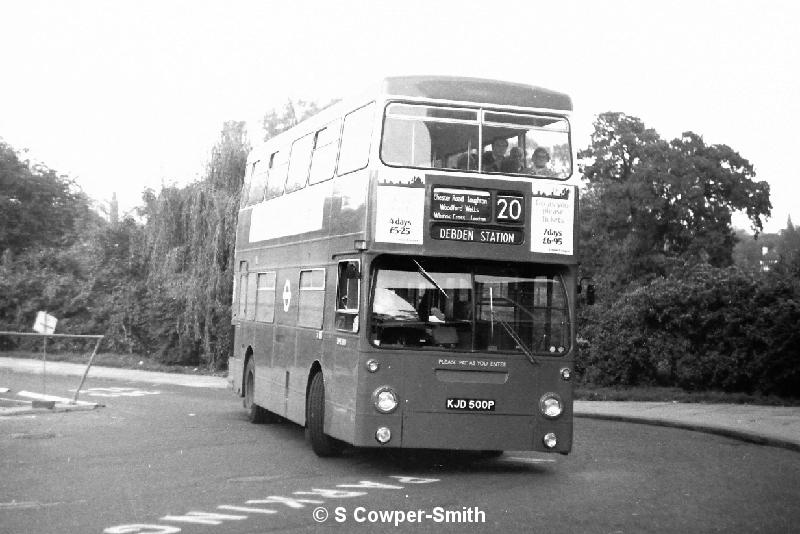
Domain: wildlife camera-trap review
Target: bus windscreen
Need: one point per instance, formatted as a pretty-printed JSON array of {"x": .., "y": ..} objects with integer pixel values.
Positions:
[{"x": 445, "y": 306}]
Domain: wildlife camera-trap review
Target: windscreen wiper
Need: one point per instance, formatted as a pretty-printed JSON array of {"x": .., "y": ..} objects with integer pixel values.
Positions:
[
  {"x": 429, "y": 278},
  {"x": 511, "y": 332}
]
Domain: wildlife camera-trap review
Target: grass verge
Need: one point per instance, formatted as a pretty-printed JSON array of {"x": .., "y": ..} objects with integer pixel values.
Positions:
[
  {"x": 667, "y": 394},
  {"x": 120, "y": 361}
]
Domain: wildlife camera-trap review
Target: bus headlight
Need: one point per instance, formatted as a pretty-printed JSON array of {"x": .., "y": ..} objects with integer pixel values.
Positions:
[
  {"x": 383, "y": 435},
  {"x": 385, "y": 399},
  {"x": 550, "y": 405},
  {"x": 549, "y": 440}
]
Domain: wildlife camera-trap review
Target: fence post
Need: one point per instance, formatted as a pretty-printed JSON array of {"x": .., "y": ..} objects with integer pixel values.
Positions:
[
  {"x": 86, "y": 372},
  {"x": 44, "y": 366}
]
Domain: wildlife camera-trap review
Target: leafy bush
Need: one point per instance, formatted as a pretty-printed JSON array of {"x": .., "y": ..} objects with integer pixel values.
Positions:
[{"x": 700, "y": 328}]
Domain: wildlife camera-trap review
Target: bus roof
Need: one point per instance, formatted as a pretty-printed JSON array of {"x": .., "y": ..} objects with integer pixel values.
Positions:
[{"x": 478, "y": 90}]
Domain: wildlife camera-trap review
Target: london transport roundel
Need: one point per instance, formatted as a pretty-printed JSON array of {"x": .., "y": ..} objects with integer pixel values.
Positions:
[{"x": 287, "y": 295}]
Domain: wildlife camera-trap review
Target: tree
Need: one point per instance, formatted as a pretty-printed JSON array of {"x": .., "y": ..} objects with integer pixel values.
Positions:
[
  {"x": 293, "y": 113},
  {"x": 651, "y": 205},
  {"x": 275, "y": 122},
  {"x": 38, "y": 207},
  {"x": 188, "y": 242},
  {"x": 788, "y": 246}
]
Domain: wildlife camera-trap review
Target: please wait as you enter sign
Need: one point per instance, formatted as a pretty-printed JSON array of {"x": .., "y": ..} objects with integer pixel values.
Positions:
[{"x": 45, "y": 323}]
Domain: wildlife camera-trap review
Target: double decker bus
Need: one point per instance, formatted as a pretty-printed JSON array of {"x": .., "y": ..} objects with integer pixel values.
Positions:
[{"x": 406, "y": 270}]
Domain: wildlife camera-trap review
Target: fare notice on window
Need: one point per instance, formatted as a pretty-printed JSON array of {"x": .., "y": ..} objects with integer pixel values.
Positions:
[
  {"x": 552, "y": 219},
  {"x": 461, "y": 205}
]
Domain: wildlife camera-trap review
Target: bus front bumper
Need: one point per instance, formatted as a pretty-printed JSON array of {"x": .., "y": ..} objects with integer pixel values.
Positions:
[{"x": 476, "y": 432}]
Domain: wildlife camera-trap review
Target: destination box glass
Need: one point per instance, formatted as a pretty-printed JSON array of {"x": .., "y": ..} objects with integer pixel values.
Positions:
[{"x": 463, "y": 205}]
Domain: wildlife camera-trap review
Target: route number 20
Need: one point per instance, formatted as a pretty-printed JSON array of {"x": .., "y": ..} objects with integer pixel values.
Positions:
[{"x": 509, "y": 209}]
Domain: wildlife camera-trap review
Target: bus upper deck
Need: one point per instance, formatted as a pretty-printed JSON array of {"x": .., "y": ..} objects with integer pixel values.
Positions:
[{"x": 445, "y": 164}]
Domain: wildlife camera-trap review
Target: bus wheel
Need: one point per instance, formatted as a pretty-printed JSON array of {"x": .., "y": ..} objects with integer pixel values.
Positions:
[
  {"x": 255, "y": 413},
  {"x": 321, "y": 443}
]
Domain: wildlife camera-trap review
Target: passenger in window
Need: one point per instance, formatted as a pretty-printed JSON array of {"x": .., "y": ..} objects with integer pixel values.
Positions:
[
  {"x": 493, "y": 161},
  {"x": 515, "y": 162},
  {"x": 541, "y": 161},
  {"x": 467, "y": 162}
]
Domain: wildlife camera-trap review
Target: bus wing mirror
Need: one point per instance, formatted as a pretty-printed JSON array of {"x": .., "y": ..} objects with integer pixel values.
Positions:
[
  {"x": 590, "y": 289},
  {"x": 590, "y": 294}
]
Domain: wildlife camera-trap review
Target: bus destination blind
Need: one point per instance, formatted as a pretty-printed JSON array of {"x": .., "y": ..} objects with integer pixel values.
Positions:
[
  {"x": 461, "y": 205},
  {"x": 450, "y": 232}
]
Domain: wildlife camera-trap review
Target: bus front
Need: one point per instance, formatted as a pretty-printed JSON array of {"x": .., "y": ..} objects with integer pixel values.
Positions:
[{"x": 471, "y": 270}]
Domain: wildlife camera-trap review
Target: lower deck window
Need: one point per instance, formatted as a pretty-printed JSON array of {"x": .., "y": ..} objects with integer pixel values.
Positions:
[{"x": 312, "y": 298}]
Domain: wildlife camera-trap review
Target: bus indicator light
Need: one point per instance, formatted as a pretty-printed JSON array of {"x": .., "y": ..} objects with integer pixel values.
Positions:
[
  {"x": 550, "y": 440},
  {"x": 550, "y": 405},
  {"x": 566, "y": 374},
  {"x": 373, "y": 366},
  {"x": 383, "y": 435},
  {"x": 385, "y": 399}
]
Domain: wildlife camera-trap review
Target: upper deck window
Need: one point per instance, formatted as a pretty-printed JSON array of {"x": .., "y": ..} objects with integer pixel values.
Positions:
[
  {"x": 278, "y": 165},
  {"x": 257, "y": 183},
  {"x": 299, "y": 162},
  {"x": 356, "y": 137},
  {"x": 476, "y": 140}
]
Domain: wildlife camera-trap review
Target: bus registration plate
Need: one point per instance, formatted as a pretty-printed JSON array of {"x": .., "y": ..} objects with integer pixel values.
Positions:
[{"x": 471, "y": 405}]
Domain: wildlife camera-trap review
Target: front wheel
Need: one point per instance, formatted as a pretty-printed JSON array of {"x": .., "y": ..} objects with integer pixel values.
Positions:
[
  {"x": 321, "y": 443},
  {"x": 255, "y": 413}
]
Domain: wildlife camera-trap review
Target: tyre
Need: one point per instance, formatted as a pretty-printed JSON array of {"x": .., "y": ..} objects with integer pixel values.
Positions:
[
  {"x": 255, "y": 413},
  {"x": 321, "y": 443}
]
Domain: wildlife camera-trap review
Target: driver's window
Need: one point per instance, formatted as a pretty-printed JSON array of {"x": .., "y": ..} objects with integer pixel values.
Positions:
[{"x": 348, "y": 292}]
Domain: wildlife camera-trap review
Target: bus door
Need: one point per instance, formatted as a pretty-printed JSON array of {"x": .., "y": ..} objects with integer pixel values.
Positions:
[
  {"x": 301, "y": 344},
  {"x": 343, "y": 347}
]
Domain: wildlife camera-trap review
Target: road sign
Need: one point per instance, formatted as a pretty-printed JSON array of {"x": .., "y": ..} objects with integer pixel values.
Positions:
[{"x": 45, "y": 323}]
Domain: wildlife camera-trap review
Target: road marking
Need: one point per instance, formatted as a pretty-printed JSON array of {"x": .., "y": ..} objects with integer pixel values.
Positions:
[
  {"x": 118, "y": 392},
  {"x": 215, "y": 519},
  {"x": 39, "y": 396},
  {"x": 203, "y": 518},
  {"x": 25, "y": 505}
]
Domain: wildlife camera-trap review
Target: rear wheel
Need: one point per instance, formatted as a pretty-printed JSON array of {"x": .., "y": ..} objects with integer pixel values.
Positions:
[
  {"x": 255, "y": 413},
  {"x": 321, "y": 443}
]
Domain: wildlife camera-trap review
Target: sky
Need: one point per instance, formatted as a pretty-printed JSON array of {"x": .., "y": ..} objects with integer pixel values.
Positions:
[{"x": 124, "y": 95}]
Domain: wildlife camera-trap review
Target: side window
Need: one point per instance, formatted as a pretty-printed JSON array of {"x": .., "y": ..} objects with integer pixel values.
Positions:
[
  {"x": 312, "y": 298},
  {"x": 299, "y": 161},
  {"x": 241, "y": 296},
  {"x": 265, "y": 297},
  {"x": 250, "y": 307},
  {"x": 278, "y": 164},
  {"x": 347, "y": 295},
  {"x": 258, "y": 182},
  {"x": 356, "y": 139},
  {"x": 323, "y": 159},
  {"x": 248, "y": 178}
]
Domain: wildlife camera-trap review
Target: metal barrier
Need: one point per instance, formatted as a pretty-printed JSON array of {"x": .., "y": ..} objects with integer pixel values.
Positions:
[{"x": 99, "y": 338}]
